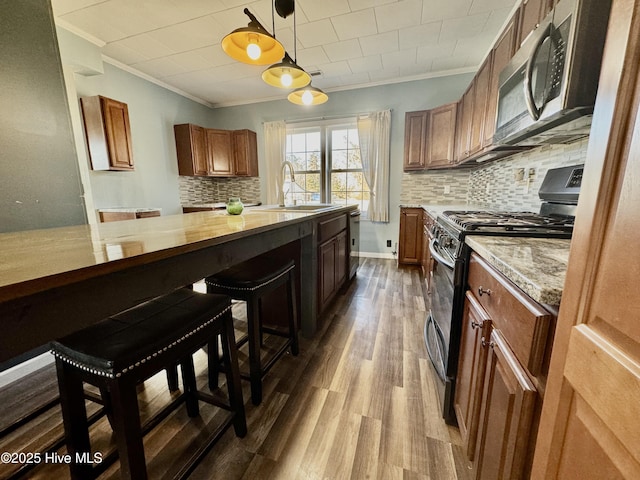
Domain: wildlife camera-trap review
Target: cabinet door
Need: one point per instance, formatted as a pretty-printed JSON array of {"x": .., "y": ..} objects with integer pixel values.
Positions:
[
  {"x": 415, "y": 134},
  {"x": 191, "y": 150},
  {"x": 220, "y": 152},
  {"x": 440, "y": 140},
  {"x": 245, "y": 153},
  {"x": 476, "y": 329},
  {"x": 410, "y": 249},
  {"x": 341, "y": 259},
  {"x": 503, "y": 51},
  {"x": 326, "y": 271},
  {"x": 465, "y": 117},
  {"x": 116, "y": 122},
  {"x": 480, "y": 98},
  {"x": 508, "y": 403},
  {"x": 532, "y": 12}
]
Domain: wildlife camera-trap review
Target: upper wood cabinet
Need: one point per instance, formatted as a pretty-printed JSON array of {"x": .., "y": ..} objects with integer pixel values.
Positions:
[
  {"x": 440, "y": 140},
  {"x": 245, "y": 149},
  {"x": 531, "y": 14},
  {"x": 463, "y": 130},
  {"x": 108, "y": 133},
  {"x": 191, "y": 150},
  {"x": 220, "y": 152},
  {"x": 214, "y": 152},
  {"x": 429, "y": 138},
  {"x": 480, "y": 101},
  {"x": 415, "y": 137}
]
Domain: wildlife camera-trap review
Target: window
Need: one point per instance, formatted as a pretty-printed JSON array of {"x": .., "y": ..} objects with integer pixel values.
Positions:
[{"x": 328, "y": 168}]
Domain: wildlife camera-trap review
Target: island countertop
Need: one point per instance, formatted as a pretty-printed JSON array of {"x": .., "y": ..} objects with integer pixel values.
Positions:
[
  {"x": 75, "y": 275},
  {"x": 536, "y": 265}
]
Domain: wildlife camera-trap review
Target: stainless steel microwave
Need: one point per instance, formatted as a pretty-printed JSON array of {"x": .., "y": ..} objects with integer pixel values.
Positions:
[{"x": 548, "y": 89}]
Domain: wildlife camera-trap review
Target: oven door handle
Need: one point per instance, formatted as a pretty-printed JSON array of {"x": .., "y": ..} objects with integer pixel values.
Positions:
[{"x": 438, "y": 256}]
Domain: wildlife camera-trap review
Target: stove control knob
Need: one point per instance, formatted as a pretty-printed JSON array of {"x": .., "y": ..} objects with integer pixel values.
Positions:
[{"x": 482, "y": 291}]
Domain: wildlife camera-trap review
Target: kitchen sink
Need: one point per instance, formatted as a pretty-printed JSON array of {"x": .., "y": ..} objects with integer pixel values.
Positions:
[{"x": 303, "y": 207}]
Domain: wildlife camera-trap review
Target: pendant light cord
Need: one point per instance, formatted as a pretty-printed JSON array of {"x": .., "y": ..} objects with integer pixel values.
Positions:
[
  {"x": 273, "y": 18},
  {"x": 295, "y": 36}
]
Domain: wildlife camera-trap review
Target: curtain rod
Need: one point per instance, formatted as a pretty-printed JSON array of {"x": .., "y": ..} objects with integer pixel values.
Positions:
[{"x": 332, "y": 117}]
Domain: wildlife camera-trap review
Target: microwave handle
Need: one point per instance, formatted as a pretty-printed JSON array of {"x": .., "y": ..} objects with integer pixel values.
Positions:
[{"x": 534, "y": 111}]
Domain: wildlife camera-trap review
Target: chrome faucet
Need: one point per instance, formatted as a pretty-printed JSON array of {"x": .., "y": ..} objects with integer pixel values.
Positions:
[{"x": 293, "y": 179}]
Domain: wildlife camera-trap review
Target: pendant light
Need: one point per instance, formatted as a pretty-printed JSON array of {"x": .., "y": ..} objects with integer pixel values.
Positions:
[
  {"x": 252, "y": 44},
  {"x": 308, "y": 96},
  {"x": 287, "y": 73}
]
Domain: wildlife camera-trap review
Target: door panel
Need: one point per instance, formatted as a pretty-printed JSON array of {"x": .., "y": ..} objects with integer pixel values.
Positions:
[{"x": 590, "y": 425}]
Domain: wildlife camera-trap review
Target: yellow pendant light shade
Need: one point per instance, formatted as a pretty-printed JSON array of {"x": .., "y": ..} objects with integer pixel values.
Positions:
[
  {"x": 308, "y": 96},
  {"x": 252, "y": 44},
  {"x": 286, "y": 74}
]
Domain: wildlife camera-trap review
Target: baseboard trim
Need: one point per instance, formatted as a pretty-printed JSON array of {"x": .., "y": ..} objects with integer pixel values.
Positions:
[
  {"x": 23, "y": 369},
  {"x": 389, "y": 256}
]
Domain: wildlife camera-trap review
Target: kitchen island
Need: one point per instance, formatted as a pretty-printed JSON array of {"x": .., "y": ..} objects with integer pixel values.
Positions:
[{"x": 56, "y": 281}]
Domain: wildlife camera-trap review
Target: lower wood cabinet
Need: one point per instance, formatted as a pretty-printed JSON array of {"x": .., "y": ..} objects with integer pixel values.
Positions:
[
  {"x": 411, "y": 239},
  {"x": 333, "y": 255},
  {"x": 501, "y": 376},
  {"x": 504, "y": 446}
]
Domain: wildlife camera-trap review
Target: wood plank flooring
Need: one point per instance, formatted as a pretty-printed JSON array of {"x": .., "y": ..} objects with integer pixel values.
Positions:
[{"x": 359, "y": 402}]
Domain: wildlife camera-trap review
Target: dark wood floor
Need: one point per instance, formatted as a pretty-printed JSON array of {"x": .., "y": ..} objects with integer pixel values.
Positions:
[{"x": 358, "y": 402}]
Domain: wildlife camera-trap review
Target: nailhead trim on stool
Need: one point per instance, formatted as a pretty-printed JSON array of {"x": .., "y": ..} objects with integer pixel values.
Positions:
[{"x": 130, "y": 347}]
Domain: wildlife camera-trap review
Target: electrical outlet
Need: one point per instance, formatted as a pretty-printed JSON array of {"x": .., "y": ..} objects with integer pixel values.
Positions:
[
  {"x": 447, "y": 189},
  {"x": 532, "y": 174},
  {"x": 388, "y": 243},
  {"x": 518, "y": 175}
]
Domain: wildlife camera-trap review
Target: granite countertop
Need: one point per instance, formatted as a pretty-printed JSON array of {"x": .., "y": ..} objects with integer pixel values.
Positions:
[
  {"x": 435, "y": 209},
  {"x": 128, "y": 210},
  {"x": 537, "y": 265}
]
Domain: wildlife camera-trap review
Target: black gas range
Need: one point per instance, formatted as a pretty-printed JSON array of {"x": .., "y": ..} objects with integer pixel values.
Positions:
[{"x": 559, "y": 192}]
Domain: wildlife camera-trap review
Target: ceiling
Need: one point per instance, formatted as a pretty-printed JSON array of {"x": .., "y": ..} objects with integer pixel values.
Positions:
[{"x": 352, "y": 43}]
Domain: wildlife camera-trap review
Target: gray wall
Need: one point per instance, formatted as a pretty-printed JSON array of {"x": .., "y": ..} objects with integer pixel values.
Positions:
[
  {"x": 39, "y": 177},
  {"x": 400, "y": 98}
]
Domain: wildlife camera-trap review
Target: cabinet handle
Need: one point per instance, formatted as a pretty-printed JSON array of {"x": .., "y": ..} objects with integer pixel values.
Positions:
[
  {"x": 482, "y": 291},
  {"x": 475, "y": 325},
  {"x": 487, "y": 344}
]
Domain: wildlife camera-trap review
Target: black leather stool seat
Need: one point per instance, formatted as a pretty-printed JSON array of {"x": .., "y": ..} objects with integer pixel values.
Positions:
[
  {"x": 125, "y": 349},
  {"x": 251, "y": 281}
]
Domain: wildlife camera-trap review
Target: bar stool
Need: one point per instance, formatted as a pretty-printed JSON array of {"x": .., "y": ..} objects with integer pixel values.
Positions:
[
  {"x": 251, "y": 281},
  {"x": 125, "y": 349}
]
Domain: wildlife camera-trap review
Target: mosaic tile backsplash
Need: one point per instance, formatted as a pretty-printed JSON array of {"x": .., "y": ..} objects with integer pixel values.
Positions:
[
  {"x": 508, "y": 184},
  {"x": 196, "y": 190}
]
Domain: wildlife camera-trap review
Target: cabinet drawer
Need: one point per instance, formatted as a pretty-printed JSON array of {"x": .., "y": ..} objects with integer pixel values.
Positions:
[
  {"x": 330, "y": 228},
  {"x": 523, "y": 322}
]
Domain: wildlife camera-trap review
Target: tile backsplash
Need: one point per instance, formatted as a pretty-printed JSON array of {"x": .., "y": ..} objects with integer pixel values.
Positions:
[
  {"x": 502, "y": 185},
  {"x": 196, "y": 190}
]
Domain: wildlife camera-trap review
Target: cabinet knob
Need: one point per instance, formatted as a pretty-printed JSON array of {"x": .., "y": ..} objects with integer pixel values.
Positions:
[
  {"x": 482, "y": 291},
  {"x": 475, "y": 325},
  {"x": 487, "y": 344}
]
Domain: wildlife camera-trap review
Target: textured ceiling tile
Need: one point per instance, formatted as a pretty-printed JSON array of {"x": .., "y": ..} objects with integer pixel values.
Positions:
[
  {"x": 355, "y": 25},
  {"x": 365, "y": 64},
  {"x": 316, "y": 33},
  {"x": 362, "y": 4},
  {"x": 123, "y": 53},
  {"x": 312, "y": 56},
  {"x": 426, "y": 53},
  {"x": 484, "y": 6},
  {"x": 381, "y": 43},
  {"x": 420, "y": 35},
  {"x": 435, "y": 10},
  {"x": 343, "y": 50},
  {"x": 190, "y": 35},
  {"x": 398, "y": 59},
  {"x": 463, "y": 27},
  {"x": 317, "y": 10},
  {"x": 403, "y": 14}
]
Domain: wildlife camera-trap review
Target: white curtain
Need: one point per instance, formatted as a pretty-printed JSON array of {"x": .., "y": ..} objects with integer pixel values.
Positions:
[
  {"x": 374, "y": 132},
  {"x": 275, "y": 137}
]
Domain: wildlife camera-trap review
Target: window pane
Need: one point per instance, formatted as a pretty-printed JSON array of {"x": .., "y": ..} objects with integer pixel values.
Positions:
[
  {"x": 298, "y": 161},
  {"x": 298, "y": 142},
  {"x": 313, "y": 161},
  {"x": 313, "y": 141},
  {"x": 355, "y": 162},
  {"x": 339, "y": 140},
  {"x": 339, "y": 160}
]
